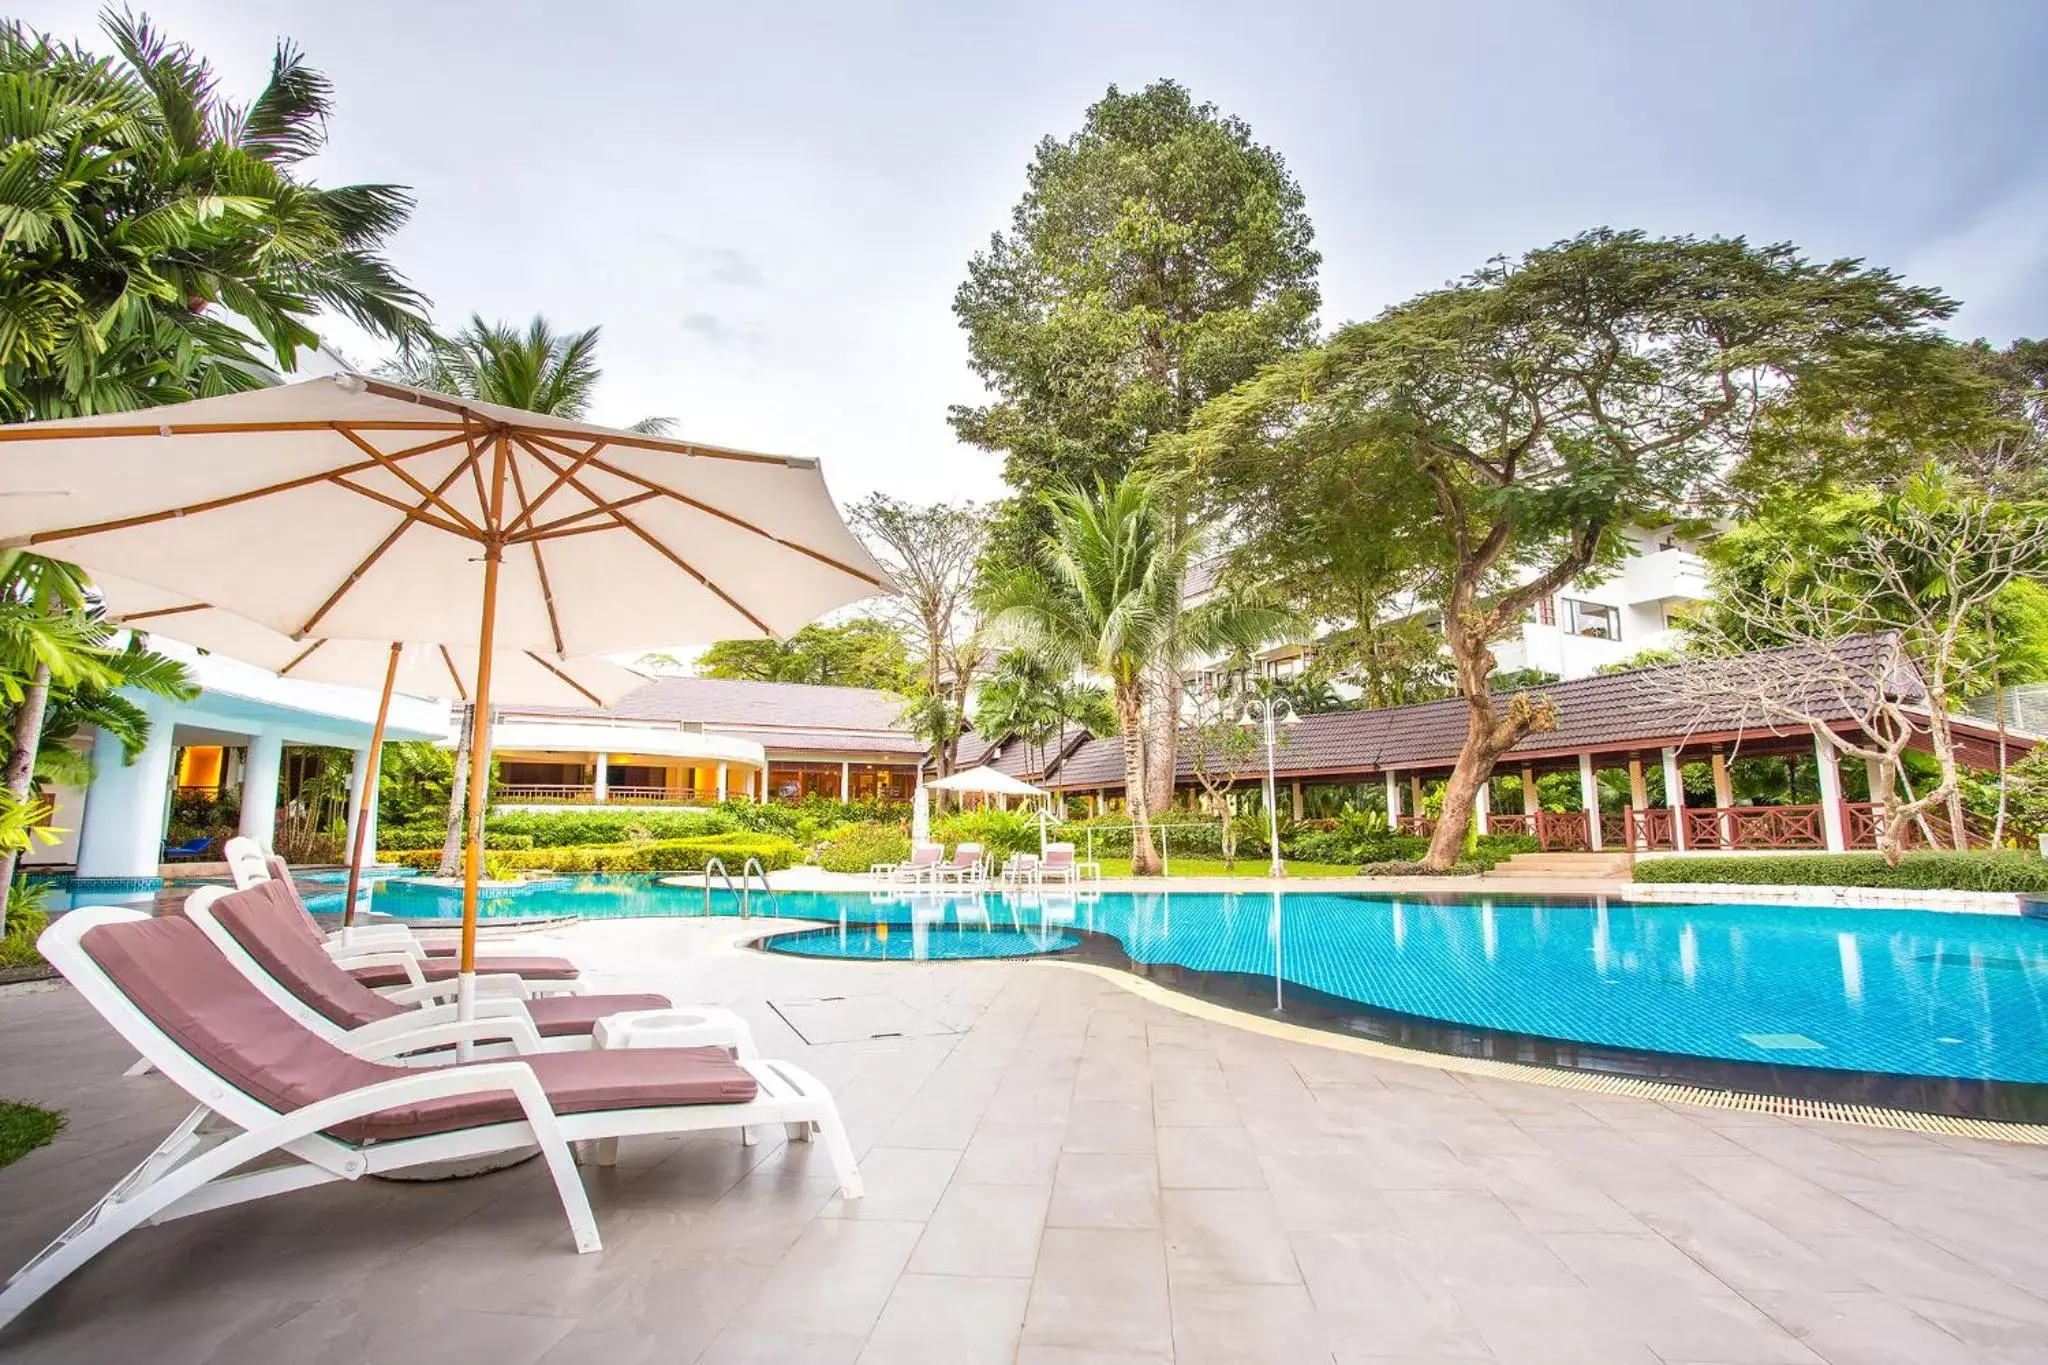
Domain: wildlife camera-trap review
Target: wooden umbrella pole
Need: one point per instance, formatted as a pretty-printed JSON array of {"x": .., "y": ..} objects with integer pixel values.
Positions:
[
  {"x": 369, "y": 797},
  {"x": 480, "y": 745}
]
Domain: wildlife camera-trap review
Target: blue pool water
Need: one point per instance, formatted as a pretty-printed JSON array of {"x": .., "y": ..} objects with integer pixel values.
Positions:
[{"x": 1906, "y": 992}]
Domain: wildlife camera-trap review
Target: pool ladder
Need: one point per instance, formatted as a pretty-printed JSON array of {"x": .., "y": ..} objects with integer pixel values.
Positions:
[{"x": 744, "y": 890}]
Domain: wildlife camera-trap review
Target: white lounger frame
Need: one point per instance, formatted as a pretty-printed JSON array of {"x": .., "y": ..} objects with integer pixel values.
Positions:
[
  {"x": 375, "y": 945},
  {"x": 199, "y": 1166},
  {"x": 506, "y": 1004}
]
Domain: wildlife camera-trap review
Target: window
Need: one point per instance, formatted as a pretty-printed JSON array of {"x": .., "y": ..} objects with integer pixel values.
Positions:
[
  {"x": 1592, "y": 619},
  {"x": 1546, "y": 611}
]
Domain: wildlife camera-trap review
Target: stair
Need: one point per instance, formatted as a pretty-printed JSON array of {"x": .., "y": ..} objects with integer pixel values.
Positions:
[{"x": 1599, "y": 866}]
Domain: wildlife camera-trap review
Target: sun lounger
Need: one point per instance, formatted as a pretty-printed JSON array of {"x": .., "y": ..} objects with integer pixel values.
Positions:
[
  {"x": 282, "y": 1109},
  {"x": 965, "y": 866},
  {"x": 264, "y": 937},
  {"x": 1059, "y": 865},
  {"x": 389, "y": 956},
  {"x": 923, "y": 859},
  {"x": 191, "y": 848}
]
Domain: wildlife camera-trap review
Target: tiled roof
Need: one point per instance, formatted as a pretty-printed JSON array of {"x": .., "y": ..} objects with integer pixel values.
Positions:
[
  {"x": 1636, "y": 709},
  {"x": 777, "y": 716}
]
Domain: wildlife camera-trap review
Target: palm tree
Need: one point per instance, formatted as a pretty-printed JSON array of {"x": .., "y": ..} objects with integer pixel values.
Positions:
[
  {"x": 1028, "y": 695},
  {"x": 153, "y": 232},
  {"x": 538, "y": 370}
]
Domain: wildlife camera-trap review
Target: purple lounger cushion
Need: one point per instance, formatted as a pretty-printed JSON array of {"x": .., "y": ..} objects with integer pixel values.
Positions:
[
  {"x": 185, "y": 987},
  {"x": 269, "y": 924}
]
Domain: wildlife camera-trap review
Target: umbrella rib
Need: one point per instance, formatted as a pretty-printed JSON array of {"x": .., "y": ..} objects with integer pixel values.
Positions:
[
  {"x": 26, "y": 432},
  {"x": 152, "y": 615},
  {"x": 371, "y": 559},
  {"x": 429, "y": 494},
  {"x": 723, "y": 515},
  {"x": 414, "y": 513},
  {"x": 540, "y": 568},
  {"x": 300, "y": 658},
  {"x": 448, "y": 662},
  {"x": 527, "y": 509},
  {"x": 654, "y": 543},
  {"x": 232, "y": 499},
  {"x": 550, "y": 530},
  {"x": 595, "y": 700}
]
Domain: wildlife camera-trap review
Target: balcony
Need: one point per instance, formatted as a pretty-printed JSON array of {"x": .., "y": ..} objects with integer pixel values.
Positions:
[
  {"x": 585, "y": 794},
  {"x": 1663, "y": 575}
]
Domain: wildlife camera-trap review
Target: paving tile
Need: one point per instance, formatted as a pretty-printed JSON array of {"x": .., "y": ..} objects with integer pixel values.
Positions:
[
  {"x": 990, "y": 1230},
  {"x": 1863, "y": 1329},
  {"x": 1377, "y": 1296},
  {"x": 1102, "y": 1289},
  {"x": 1105, "y": 1190},
  {"x": 1208, "y": 1158},
  {"x": 755, "y": 1345},
  {"x": 1472, "y": 1238},
  {"x": 949, "y": 1320},
  {"x": 1224, "y": 1237},
  {"x": 1012, "y": 1154},
  {"x": 834, "y": 1280},
  {"x": 1248, "y": 1324},
  {"x": 901, "y": 1184},
  {"x": 1109, "y": 1126}
]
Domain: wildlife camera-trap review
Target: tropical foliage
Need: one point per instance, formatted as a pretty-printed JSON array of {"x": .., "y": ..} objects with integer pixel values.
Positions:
[
  {"x": 153, "y": 231},
  {"x": 862, "y": 652}
]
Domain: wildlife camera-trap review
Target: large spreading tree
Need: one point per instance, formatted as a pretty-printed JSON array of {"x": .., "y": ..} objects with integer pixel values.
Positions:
[
  {"x": 1546, "y": 404},
  {"x": 861, "y": 652},
  {"x": 1159, "y": 256}
]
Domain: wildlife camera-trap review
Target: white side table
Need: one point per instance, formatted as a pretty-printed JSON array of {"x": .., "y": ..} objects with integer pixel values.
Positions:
[{"x": 677, "y": 1026}]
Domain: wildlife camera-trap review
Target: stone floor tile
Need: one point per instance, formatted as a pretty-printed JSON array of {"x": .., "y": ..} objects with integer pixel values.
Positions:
[
  {"x": 1209, "y": 1158},
  {"x": 1248, "y": 1324},
  {"x": 990, "y": 1230},
  {"x": 1472, "y": 1238},
  {"x": 834, "y": 1280},
  {"x": 1102, "y": 1289},
  {"x": 1012, "y": 1154},
  {"x": 1863, "y": 1329},
  {"x": 902, "y": 1184},
  {"x": 1109, "y": 1126},
  {"x": 1227, "y": 1237},
  {"x": 1377, "y": 1296},
  {"x": 1105, "y": 1190},
  {"x": 949, "y": 1320}
]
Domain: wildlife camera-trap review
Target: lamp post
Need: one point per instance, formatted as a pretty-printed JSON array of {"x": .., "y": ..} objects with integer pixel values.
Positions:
[{"x": 1263, "y": 711}]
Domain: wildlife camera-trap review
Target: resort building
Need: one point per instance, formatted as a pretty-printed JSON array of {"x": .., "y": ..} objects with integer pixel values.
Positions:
[
  {"x": 1647, "y": 771},
  {"x": 230, "y": 748},
  {"x": 1583, "y": 627},
  {"x": 693, "y": 741}
]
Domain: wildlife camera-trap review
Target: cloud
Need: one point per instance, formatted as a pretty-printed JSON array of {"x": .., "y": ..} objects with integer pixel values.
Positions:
[
  {"x": 720, "y": 331},
  {"x": 726, "y": 266}
]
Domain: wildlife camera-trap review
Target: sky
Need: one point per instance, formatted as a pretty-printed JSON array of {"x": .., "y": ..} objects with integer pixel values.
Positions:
[{"x": 768, "y": 207}]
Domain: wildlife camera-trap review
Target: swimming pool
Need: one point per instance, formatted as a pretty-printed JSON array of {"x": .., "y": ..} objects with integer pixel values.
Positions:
[{"x": 1915, "y": 1008}]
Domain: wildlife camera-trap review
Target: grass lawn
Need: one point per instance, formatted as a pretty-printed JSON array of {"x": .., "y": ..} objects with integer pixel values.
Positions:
[
  {"x": 1246, "y": 867},
  {"x": 23, "y": 1128}
]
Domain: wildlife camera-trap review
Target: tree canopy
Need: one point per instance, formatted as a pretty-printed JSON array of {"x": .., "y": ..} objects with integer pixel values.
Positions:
[
  {"x": 862, "y": 652},
  {"x": 1159, "y": 256},
  {"x": 153, "y": 231},
  {"x": 1544, "y": 405}
]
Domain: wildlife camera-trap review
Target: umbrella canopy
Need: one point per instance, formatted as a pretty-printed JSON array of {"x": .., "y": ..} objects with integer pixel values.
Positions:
[
  {"x": 519, "y": 677},
  {"x": 358, "y": 509},
  {"x": 990, "y": 781},
  {"x": 355, "y": 508}
]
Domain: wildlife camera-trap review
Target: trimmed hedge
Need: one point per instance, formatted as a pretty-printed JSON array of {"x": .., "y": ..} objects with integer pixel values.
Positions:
[
  {"x": 1464, "y": 867},
  {"x": 660, "y": 855},
  {"x": 1927, "y": 871}
]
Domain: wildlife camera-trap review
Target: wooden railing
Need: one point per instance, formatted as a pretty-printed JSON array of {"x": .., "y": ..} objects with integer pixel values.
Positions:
[
  {"x": 584, "y": 794},
  {"x": 1563, "y": 831},
  {"x": 1729, "y": 827},
  {"x": 1510, "y": 823},
  {"x": 1645, "y": 830},
  {"x": 1860, "y": 820}
]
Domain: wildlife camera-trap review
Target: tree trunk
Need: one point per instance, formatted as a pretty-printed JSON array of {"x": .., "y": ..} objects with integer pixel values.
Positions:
[
  {"x": 1488, "y": 735},
  {"x": 1130, "y": 711},
  {"x": 21, "y": 767},
  {"x": 1162, "y": 735},
  {"x": 458, "y": 797}
]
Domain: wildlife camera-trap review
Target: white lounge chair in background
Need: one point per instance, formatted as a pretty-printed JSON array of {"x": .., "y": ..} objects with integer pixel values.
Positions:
[
  {"x": 282, "y": 1109},
  {"x": 923, "y": 859},
  {"x": 966, "y": 867}
]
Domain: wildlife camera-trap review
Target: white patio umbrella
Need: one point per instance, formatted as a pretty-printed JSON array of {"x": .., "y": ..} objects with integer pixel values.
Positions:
[
  {"x": 358, "y": 509},
  {"x": 988, "y": 781},
  {"x": 518, "y": 677}
]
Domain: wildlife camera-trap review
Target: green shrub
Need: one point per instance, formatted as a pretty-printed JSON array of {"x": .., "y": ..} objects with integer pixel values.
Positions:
[
  {"x": 1928, "y": 871},
  {"x": 659, "y": 855},
  {"x": 1498, "y": 848},
  {"x": 1464, "y": 867},
  {"x": 25, "y": 924},
  {"x": 856, "y": 848},
  {"x": 25, "y": 1127},
  {"x": 999, "y": 832},
  {"x": 583, "y": 826}
]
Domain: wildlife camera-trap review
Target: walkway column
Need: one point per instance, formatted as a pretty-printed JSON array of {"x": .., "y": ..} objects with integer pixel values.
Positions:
[
  {"x": 601, "y": 777},
  {"x": 1415, "y": 794},
  {"x": 123, "y": 833},
  {"x": 1393, "y": 802},
  {"x": 1532, "y": 802},
  {"x": 1724, "y": 795},
  {"x": 721, "y": 784},
  {"x": 259, "y": 789},
  {"x": 1638, "y": 802},
  {"x": 1674, "y": 796},
  {"x": 1829, "y": 763},
  {"x": 1298, "y": 807},
  {"x": 1873, "y": 777},
  {"x": 845, "y": 781},
  {"x": 1589, "y": 797},
  {"x": 1482, "y": 807},
  {"x": 764, "y": 781},
  {"x": 358, "y": 772}
]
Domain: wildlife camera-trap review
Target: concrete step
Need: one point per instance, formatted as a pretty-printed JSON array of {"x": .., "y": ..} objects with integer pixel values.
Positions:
[{"x": 1603, "y": 866}]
